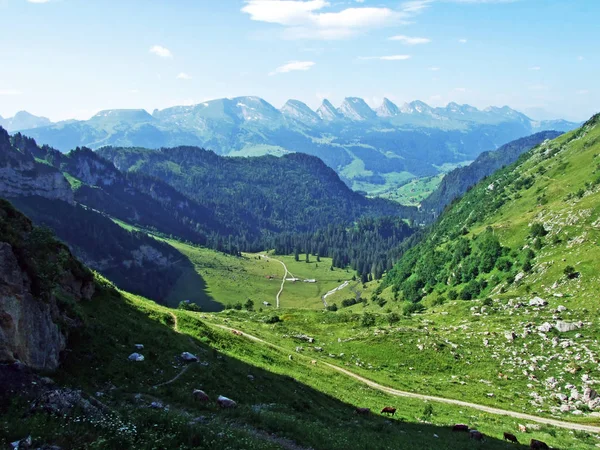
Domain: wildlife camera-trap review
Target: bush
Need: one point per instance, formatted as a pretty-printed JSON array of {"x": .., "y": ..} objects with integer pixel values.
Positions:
[
  {"x": 249, "y": 305},
  {"x": 504, "y": 264},
  {"x": 570, "y": 272},
  {"x": 188, "y": 306},
  {"x": 538, "y": 230},
  {"x": 238, "y": 306},
  {"x": 471, "y": 290},
  {"x": 452, "y": 294},
  {"x": 367, "y": 320},
  {"x": 273, "y": 319},
  {"x": 412, "y": 308},
  {"x": 488, "y": 302},
  {"x": 393, "y": 318},
  {"x": 333, "y": 307}
]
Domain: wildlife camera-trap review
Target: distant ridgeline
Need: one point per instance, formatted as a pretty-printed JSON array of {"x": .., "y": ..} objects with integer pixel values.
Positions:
[
  {"x": 366, "y": 147},
  {"x": 293, "y": 203},
  {"x": 520, "y": 222}
]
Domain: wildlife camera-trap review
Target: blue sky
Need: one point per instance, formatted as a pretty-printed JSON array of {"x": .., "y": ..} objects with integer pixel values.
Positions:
[{"x": 71, "y": 58}]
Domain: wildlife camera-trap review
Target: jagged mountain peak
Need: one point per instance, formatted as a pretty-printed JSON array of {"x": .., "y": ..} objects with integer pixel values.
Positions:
[
  {"x": 387, "y": 109},
  {"x": 297, "y": 110},
  {"x": 327, "y": 111},
  {"x": 355, "y": 108},
  {"x": 416, "y": 107}
]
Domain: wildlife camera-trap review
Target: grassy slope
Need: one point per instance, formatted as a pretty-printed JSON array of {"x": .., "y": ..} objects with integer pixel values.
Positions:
[{"x": 314, "y": 408}]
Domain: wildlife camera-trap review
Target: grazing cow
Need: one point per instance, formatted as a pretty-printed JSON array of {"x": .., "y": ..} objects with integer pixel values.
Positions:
[
  {"x": 538, "y": 445},
  {"x": 236, "y": 332},
  {"x": 362, "y": 411},
  {"x": 313, "y": 362},
  {"x": 225, "y": 402},
  {"x": 476, "y": 435},
  {"x": 200, "y": 395},
  {"x": 510, "y": 437},
  {"x": 388, "y": 410},
  {"x": 460, "y": 427},
  {"x": 522, "y": 428}
]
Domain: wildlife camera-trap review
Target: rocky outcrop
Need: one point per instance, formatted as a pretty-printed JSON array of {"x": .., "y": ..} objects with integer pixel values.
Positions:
[
  {"x": 22, "y": 176},
  {"x": 34, "y": 324}
]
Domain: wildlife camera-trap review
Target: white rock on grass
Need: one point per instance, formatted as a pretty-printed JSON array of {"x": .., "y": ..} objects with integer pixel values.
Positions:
[
  {"x": 565, "y": 327},
  {"x": 537, "y": 301},
  {"x": 545, "y": 327},
  {"x": 136, "y": 357},
  {"x": 189, "y": 357}
]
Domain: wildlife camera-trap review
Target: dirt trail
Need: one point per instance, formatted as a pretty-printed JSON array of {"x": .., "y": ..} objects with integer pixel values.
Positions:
[
  {"x": 286, "y": 273},
  {"x": 398, "y": 393}
]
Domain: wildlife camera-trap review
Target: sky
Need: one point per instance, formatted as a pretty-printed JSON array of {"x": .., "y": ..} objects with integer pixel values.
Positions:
[{"x": 68, "y": 59}]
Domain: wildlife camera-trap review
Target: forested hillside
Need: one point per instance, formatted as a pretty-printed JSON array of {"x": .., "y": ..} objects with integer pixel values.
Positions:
[
  {"x": 536, "y": 219},
  {"x": 457, "y": 182}
]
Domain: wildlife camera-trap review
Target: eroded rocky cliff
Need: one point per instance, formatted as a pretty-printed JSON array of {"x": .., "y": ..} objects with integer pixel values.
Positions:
[{"x": 41, "y": 284}]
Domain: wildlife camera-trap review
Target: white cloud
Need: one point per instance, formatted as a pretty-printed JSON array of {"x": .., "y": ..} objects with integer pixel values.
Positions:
[
  {"x": 38, "y": 1},
  {"x": 386, "y": 58},
  {"x": 310, "y": 19},
  {"x": 535, "y": 68},
  {"x": 583, "y": 92},
  {"x": 161, "y": 51},
  {"x": 293, "y": 66},
  {"x": 414, "y": 6},
  {"x": 460, "y": 89},
  {"x": 462, "y": 41},
  {"x": 184, "y": 76},
  {"x": 580, "y": 58},
  {"x": 410, "y": 40},
  {"x": 434, "y": 69},
  {"x": 134, "y": 91},
  {"x": 10, "y": 92}
]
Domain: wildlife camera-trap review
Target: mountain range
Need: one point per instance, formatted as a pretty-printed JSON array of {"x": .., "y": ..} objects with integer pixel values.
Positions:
[{"x": 368, "y": 148}]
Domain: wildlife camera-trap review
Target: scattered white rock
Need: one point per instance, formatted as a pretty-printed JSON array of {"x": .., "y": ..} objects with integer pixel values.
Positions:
[
  {"x": 537, "y": 301},
  {"x": 565, "y": 327},
  {"x": 545, "y": 327},
  {"x": 189, "y": 357},
  {"x": 136, "y": 357}
]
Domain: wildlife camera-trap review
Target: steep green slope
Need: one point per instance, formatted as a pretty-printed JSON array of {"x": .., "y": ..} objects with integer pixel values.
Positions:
[
  {"x": 507, "y": 225},
  {"x": 457, "y": 182}
]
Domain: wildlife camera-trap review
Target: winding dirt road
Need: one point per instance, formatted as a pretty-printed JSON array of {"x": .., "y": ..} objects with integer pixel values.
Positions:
[
  {"x": 398, "y": 393},
  {"x": 286, "y": 273}
]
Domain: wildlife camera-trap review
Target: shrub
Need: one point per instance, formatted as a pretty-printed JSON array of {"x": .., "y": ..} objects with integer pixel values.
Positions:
[
  {"x": 333, "y": 307},
  {"x": 538, "y": 230},
  {"x": 452, "y": 294},
  {"x": 471, "y": 290},
  {"x": 188, "y": 306},
  {"x": 249, "y": 305},
  {"x": 570, "y": 272},
  {"x": 273, "y": 319},
  {"x": 393, "y": 318},
  {"x": 412, "y": 308},
  {"x": 367, "y": 320},
  {"x": 488, "y": 302}
]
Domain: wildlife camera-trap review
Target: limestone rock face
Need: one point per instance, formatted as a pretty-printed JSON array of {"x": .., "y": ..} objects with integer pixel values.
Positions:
[
  {"x": 34, "y": 327},
  {"x": 22, "y": 176}
]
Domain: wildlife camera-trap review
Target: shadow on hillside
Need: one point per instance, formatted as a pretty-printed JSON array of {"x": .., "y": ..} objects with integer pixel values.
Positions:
[
  {"x": 191, "y": 286},
  {"x": 269, "y": 402}
]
